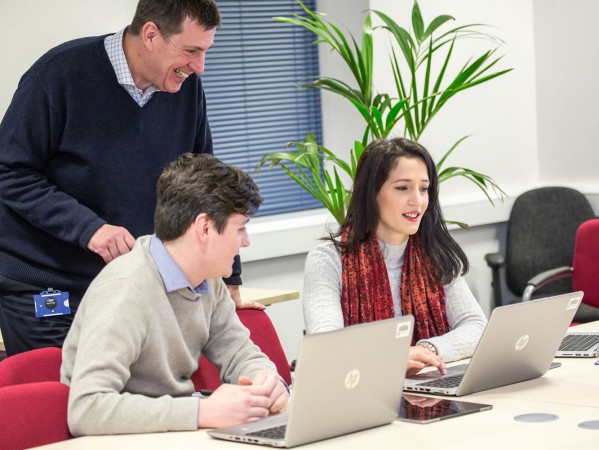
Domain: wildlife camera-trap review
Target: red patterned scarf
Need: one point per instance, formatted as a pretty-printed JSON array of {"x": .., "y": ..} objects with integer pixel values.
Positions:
[{"x": 366, "y": 293}]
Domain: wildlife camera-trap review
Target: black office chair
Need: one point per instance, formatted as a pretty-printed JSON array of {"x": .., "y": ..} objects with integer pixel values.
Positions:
[{"x": 540, "y": 236}]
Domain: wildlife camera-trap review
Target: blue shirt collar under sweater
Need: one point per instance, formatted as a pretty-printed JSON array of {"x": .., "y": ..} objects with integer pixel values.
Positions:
[
  {"x": 171, "y": 274},
  {"x": 116, "y": 54}
]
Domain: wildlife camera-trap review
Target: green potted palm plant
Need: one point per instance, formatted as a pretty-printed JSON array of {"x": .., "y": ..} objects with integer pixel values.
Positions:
[{"x": 419, "y": 57}]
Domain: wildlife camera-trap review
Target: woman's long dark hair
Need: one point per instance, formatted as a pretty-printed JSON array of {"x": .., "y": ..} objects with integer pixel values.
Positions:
[{"x": 378, "y": 159}]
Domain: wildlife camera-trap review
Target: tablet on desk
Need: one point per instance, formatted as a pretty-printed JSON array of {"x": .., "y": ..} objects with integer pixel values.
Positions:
[{"x": 421, "y": 409}]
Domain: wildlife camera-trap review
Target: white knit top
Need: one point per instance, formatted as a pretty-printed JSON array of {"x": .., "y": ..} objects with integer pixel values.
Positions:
[{"x": 322, "y": 293}]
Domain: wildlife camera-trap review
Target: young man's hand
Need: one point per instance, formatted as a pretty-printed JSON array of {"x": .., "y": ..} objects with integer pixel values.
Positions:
[
  {"x": 250, "y": 400},
  {"x": 277, "y": 392},
  {"x": 230, "y": 404}
]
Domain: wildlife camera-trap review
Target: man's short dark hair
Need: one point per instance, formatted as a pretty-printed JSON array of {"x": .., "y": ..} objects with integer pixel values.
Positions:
[
  {"x": 197, "y": 184},
  {"x": 168, "y": 15}
]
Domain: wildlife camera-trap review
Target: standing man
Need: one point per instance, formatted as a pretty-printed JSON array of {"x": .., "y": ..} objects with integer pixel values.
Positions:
[
  {"x": 147, "y": 317},
  {"x": 89, "y": 129}
]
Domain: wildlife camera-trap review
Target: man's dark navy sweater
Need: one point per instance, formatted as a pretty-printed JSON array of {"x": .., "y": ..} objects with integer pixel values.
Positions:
[{"x": 76, "y": 152}]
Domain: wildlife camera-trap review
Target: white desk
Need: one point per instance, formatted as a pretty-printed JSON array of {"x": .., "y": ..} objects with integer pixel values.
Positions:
[
  {"x": 267, "y": 296},
  {"x": 571, "y": 392},
  {"x": 488, "y": 430}
]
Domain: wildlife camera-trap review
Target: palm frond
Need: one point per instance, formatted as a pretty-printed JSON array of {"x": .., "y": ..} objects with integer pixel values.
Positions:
[{"x": 420, "y": 61}]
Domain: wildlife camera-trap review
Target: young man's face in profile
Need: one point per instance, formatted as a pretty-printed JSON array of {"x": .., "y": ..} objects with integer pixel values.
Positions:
[{"x": 225, "y": 246}]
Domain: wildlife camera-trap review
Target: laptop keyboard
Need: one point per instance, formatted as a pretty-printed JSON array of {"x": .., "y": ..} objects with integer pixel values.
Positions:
[
  {"x": 271, "y": 433},
  {"x": 578, "y": 342},
  {"x": 447, "y": 382}
]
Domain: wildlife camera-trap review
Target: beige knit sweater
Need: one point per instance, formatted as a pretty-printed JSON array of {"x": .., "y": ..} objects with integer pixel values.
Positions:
[{"x": 132, "y": 349}]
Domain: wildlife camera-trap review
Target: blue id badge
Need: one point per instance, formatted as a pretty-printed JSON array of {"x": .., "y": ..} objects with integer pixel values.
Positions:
[{"x": 51, "y": 303}]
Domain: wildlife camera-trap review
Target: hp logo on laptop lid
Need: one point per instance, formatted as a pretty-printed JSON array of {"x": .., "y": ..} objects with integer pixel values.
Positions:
[
  {"x": 352, "y": 379},
  {"x": 521, "y": 343}
]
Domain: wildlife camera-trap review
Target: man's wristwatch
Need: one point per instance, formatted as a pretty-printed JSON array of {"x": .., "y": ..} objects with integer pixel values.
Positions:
[{"x": 428, "y": 345}]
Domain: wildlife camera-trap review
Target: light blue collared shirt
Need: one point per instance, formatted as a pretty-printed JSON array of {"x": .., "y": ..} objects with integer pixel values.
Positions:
[
  {"x": 171, "y": 274},
  {"x": 114, "y": 47}
]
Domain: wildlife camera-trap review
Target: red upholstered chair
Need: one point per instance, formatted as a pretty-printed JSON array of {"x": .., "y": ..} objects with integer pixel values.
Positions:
[
  {"x": 33, "y": 414},
  {"x": 585, "y": 269},
  {"x": 263, "y": 334},
  {"x": 33, "y": 403},
  {"x": 584, "y": 272},
  {"x": 42, "y": 364}
]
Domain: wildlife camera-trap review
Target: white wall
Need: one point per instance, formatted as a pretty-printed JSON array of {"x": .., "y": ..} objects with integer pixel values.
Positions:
[
  {"x": 342, "y": 124},
  {"x": 499, "y": 115},
  {"x": 31, "y": 27},
  {"x": 533, "y": 126},
  {"x": 567, "y": 43}
]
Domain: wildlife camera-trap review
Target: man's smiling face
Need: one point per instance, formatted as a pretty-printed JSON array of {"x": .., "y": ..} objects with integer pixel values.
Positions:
[{"x": 175, "y": 58}]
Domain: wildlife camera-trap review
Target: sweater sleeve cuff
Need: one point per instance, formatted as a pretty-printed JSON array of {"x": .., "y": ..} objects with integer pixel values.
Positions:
[
  {"x": 90, "y": 230},
  {"x": 233, "y": 281},
  {"x": 184, "y": 414}
]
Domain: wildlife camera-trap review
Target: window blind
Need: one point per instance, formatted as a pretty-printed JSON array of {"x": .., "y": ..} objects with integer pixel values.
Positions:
[{"x": 255, "y": 105}]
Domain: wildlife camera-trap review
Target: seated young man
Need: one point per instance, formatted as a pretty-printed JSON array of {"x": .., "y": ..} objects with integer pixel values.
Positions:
[{"x": 146, "y": 318}]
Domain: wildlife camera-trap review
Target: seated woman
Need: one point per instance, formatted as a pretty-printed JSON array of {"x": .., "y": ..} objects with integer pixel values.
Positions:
[{"x": 393, "y": 256}]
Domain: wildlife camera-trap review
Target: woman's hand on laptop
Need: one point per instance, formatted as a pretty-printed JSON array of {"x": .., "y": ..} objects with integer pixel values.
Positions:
[
  {"x": 277, "y": 392},
  {"x": 420, "y": 357}
]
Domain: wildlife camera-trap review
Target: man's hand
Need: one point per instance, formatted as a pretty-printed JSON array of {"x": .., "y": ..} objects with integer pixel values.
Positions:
[
  {"x": 110, "y": 242},
  {"x": 230, "y": 405},
  {"x": 419, "y": 357},
  {"x": 277, "y": 393},
  {"x": 239, "y": 302}
]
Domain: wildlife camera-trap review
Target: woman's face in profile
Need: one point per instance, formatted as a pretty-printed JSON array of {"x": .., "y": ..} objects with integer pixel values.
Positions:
[{"x": 402, "y": 200}]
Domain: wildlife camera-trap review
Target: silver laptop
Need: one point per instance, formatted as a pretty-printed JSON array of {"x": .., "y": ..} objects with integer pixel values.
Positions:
[
  {"x": 518, "y": 344},
  {"x": 579, "y": 345},
  {"x": 345, "y": 381}
]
